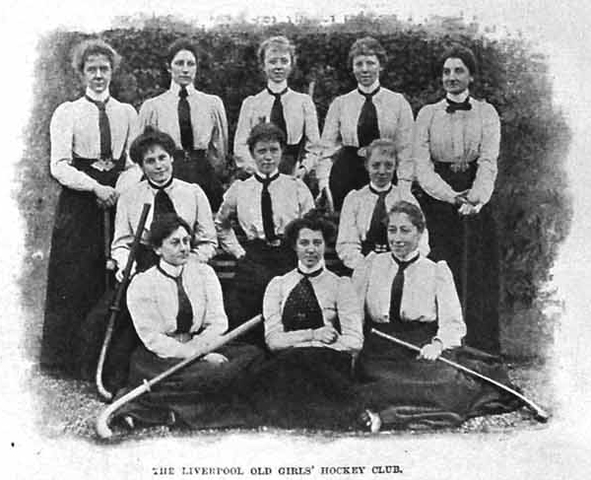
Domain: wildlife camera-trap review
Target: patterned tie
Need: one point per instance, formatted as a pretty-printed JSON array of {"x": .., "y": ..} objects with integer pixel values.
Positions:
[
  {"x": 104, "y": 127},
  {"x": 277, "y": 117},
  {"x": 162, "y": 202},
  {"x": 301, "y": 309},
  {"x": 455, "y": 106},
  {"x": 267, "y": 207},
  {"x": 378, "y": 232},
  {"x": 185, "y": 126},
  {"x": 397, "y": 286},
  {"x": 367, "y": 125},
  {"x": 184, "y": 316}
]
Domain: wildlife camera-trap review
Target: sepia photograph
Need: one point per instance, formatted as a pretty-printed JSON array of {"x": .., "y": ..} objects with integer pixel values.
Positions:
[{"x": 325, "y": 240}]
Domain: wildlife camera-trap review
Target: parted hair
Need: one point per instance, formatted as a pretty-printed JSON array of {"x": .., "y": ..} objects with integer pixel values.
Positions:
[
  {"x": 164, "y": 226},
  {"x": 414, "y": 213},
  {"x": 178, "y": 45},
  {"x": 265, "y": 132},
  {"x": 457, "y": 51},
  {"x": 313, "y": 220},
  {"x": 367, "y": 46},
  {"x": 280, "y": 43},
  {"x": 93, "y": 46},
  {"x": 385, "y": 145},
  {"x": 150, "y": 138}
]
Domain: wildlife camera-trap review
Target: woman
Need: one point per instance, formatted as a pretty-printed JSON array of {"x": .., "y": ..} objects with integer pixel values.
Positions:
[
  {"x": 293, "y": 112},
  {"x": 89, "y": 140},
  {"x": 455, "y": 149},
  {"x": 313, "y": 329},
  {"x": 177, "y": 309},
  {"x": 195, "y": 120},
  {"x": 363, "y": 221},
  {"x": 357, "y": 118},
  {"x": 262, "y": 206},
  {"x": 414, "y": 299}
]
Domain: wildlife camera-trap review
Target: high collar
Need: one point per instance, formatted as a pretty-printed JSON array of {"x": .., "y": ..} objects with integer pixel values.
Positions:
[
  {"x": 460, "y": 97},
  {"x": 277, "y": 87},
  {"x": 369, "y": 89},
  {"x": 97, "y": 97},
  {"x": 410, "y": 256},
  {"x": 164, "y": 186},
  {"x": 319, "y": 266},
  {"x": 172, "y": 270},
  {"x": 262, "y": 176},
  {"x": 176, "y": 88},
  {"x": 387, "y": 188}
]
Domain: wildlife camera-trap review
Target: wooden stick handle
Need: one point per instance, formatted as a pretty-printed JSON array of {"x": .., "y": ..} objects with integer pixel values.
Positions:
[
  {"x": 539, "y": 412},
  {"x": 102, "y": 421}
]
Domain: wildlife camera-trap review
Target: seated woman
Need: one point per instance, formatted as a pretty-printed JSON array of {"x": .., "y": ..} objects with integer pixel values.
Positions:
[
  {"x": 176, "y": 308},
  {"x": 415, "y": 299},
  {"x": 363, "y": 221},
  {"x": 262, "y": 206},
  {"x": 313, "y": 328}
]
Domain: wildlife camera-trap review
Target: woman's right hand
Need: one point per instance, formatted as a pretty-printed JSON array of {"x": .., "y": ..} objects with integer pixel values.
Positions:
[
  {"x": 326, "y": 334},
  {"x": 105, "y": 196}
]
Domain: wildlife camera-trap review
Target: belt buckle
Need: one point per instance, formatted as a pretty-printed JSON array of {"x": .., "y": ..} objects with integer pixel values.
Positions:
[
  {"x": 458, "y": 167},
  {"x": 103, "y": 164}
]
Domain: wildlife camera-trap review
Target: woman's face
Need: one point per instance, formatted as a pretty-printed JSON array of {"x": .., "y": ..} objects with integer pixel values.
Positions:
[
  {"x": 267, "y": 155},
  {"x": 403, "y": 236},
  {"x": 456, "y": 77},
  {"x": 183, "y": 68},
  {"x": 157, "y": 165},
  {"x": 175, "y": 248},
  {"x": 97, "y": 73},
  {"x": 277, "y": 65},
  {"x": 380, "y": 167},
  {"x": 366, "y": 69},
  {"x": 310, "y": 247}
]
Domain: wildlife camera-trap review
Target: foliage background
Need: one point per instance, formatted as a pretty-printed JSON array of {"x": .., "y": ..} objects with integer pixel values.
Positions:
[{"x": 532, "y": 196}]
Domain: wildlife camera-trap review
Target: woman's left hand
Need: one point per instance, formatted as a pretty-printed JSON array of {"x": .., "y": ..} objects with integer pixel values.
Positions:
[
  {"x": 470, "y": 209},
  {"x": 215, "y": 358},
  {"x": 431, "y": 351}
]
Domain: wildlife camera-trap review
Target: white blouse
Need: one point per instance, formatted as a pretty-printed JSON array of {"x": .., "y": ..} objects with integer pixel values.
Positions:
[
  {"x": 337, "y": 299},
  {"x": 429, "y": 294},
  {"x": 152, "y": 300}
]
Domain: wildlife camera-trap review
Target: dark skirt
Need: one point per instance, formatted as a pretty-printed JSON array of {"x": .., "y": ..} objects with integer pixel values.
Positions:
[
  {"x": 412, "y": 393},
  {"x": 76, "y": 277},
  {"x": 469, "y": 246},
  {"x": 202, "y": 395},
  {"x": 305, "y": 387},
  {"x": 254, "y": 271},
  {"x": 194, "y": 167}
]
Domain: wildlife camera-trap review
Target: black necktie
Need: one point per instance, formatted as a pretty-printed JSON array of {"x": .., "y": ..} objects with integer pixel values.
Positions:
[
  {"x": 378, "y": 232},
  {"x": 184, "y": 316},
  {"x": 455, "y": 106},
  {"x": 397, "y": 286},
  {"x": 162, "y": 202},
  {"x": 367, "y": 125},
  {"x": 185, "y": 120},
  {"x": 267, "y": 207},
  {"x": 104, "y": 127},
  {"x": 301, "y": 309},
  {"x": 277, "y": 117}
]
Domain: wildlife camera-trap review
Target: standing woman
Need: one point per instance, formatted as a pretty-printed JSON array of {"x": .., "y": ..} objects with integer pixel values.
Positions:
[
  {"x": 293, "y": 112},
  {"x": 455, "y": 149},
  {"x": 357, "y": 118},
  {"x": 195, "y": 120},
  {"x": 89, "y": 140},
  {"x": 262, "y": 205}
]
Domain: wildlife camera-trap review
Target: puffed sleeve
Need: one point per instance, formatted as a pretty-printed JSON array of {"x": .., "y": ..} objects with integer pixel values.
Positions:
[
  {"x": 205, "y": 237},
  {"x": 242, "y": 155},
  {"x": 304, "y": 196},
  {"x": 429, "y": 180},
  {"x": 350, "y": 316},
  {"x": 312, "y": 136},
  {"x": 449, "y": 311},
  {"x": 275, "y": 335},
  {"x": 124, "y": 233},
  {"x": 486, "y": 173},
  {"x": 360, "y": 280},
  {"x": 218, "y": 147},
  {"x": 132, "y": 173},
  {"x": 147, "y": 116},
  {"x": 223, "y": 221},
  {"x": 404, "y": 132},
  {"x": 61, "y": 131},
  {"x": 141, "y": 302},
  {"x": 348, "y": 246},
  {"x": 331, "y": 141}
]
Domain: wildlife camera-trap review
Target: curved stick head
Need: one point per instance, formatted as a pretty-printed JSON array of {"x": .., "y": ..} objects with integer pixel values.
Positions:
[
  {"x": 102, "y": 428},
  {"x": 541, "y": 415}
]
